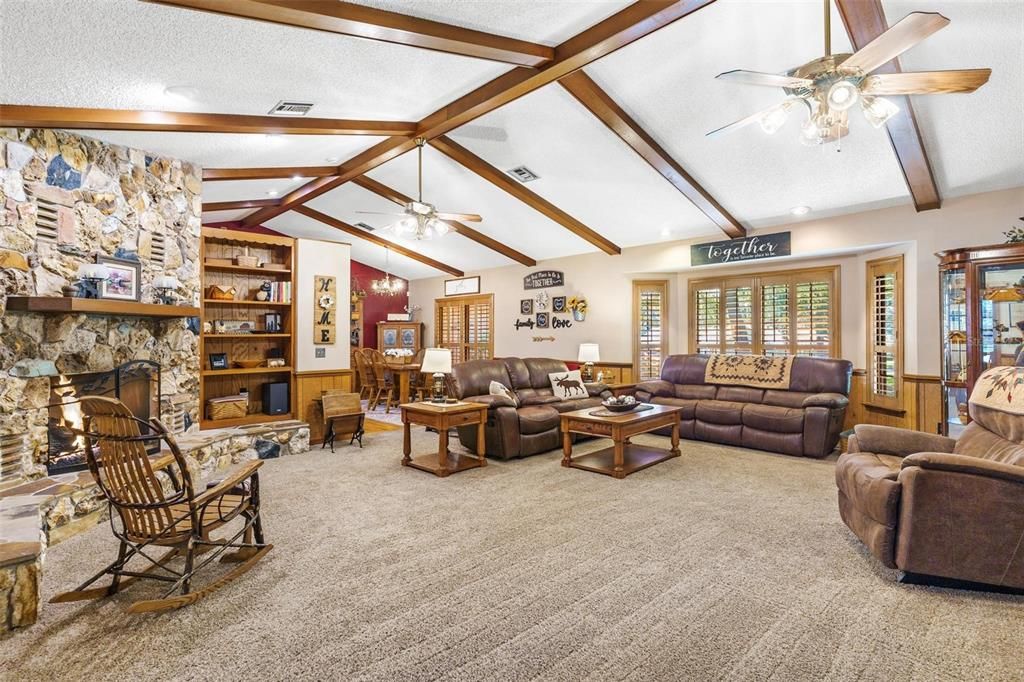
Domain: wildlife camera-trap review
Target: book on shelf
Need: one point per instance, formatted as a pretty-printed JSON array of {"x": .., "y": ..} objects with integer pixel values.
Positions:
[{"x": 280, "y": 292}]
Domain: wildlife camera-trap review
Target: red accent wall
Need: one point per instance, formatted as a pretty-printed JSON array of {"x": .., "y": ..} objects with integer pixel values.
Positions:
[{"x": 375, "y": 306}]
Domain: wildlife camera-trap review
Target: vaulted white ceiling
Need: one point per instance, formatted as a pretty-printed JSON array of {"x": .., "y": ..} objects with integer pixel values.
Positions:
[{"x": 123, "y": 53}]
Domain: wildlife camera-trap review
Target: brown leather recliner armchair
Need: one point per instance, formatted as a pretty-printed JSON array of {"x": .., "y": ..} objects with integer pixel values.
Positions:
[
  {"x": 935, "y": 507},
  {"x": 531, "y": 427}
]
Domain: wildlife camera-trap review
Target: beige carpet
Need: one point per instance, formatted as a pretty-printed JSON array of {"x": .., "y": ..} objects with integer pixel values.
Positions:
[{"x": 722, "y": 564}]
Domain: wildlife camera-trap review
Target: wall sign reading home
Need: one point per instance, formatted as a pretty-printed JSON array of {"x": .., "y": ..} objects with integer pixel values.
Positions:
[
  {"x": 755, "y": 247},
  {"x": 543, "y": 279},
  {"x": 325, "y": 303}
]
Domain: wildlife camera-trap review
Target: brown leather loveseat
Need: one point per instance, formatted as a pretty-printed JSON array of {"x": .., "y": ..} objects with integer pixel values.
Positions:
[
  {"x": 804, "y": 419},
  {"x": 935, "y": 507},
  {"x": 532, "y": 426}
]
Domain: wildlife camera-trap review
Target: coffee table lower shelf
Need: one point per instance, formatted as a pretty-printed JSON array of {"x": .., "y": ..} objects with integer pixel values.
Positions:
[
  {"x": 635, "y": 458},
  {"x": 453, "y": 464}
]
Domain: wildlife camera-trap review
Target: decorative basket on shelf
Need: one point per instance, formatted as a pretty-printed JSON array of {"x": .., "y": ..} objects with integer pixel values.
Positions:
[
  {"x": 246, "y": 260},
  {"x": 228, "y": 407},
  {"x": 220, "y": 292}
]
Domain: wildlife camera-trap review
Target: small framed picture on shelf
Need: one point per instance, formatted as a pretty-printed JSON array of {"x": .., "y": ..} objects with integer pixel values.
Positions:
[
  {"x": 122, "y": 284},
  {"x": 272, "y": 322},
  {"x": 234, "y": 327},
  {"x": 218, "y": 360}
]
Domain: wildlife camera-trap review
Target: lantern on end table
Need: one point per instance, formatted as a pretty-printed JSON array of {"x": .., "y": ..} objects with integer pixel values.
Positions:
[{"x": 438, "y": 362}]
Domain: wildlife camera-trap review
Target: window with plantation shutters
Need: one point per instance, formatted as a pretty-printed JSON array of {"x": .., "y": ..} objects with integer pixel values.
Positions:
[
  {"x": 707, "y": 325},
  {"x": 777, "y": 313},
  {"x": 885, "y": 319},
  {"x": 650, "y": 327},
  {"x": 465, "y": 326},
  {"x": 738, "y": 318}
]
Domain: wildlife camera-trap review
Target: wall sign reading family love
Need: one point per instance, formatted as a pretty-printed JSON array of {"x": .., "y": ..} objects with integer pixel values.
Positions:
[{"x": 733, "y": 250}]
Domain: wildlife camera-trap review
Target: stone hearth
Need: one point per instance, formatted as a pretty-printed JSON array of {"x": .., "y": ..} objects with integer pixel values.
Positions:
[{"x": 39, "y": 513}]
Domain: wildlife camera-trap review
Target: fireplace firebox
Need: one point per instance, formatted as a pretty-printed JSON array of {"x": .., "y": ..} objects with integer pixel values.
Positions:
[{"x": 135, "y": 383}]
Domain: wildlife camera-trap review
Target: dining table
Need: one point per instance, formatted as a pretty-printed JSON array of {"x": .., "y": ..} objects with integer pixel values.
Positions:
[{"x": 404, "y": 372}]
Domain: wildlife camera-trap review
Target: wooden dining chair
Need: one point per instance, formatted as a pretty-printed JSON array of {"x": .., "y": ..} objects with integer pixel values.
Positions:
[
  {"x": 148, "y": 512},
  {"x": 418, "y": 383},
  {"x": 343, "y": 414},
  {"x": 386, "y": 387},
  {"x": 367, "y": 381}
]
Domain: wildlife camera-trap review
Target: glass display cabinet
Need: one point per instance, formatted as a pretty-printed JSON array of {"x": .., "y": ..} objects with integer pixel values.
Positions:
[{"x": 982, "y": 320}]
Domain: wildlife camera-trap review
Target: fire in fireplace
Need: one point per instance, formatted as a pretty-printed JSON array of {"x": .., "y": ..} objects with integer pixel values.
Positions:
[{"x": 136, "y": 384}]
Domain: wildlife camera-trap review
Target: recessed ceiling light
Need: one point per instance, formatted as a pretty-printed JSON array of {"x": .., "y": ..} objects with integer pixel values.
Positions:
[
  {"x": 800, "y": 210},
  {"x": 272, "y": 193},
  {"x": 296, "y": 177},
  {"x": 181, "y": 91},
  {"x": 332, "y": 159},
  {"x": 665, "y": 232}
]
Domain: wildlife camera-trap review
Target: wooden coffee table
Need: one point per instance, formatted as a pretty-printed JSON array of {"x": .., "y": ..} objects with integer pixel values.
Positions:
[
  {"x": 442, "y": 417},
  {"x": 623, "y": 458}
]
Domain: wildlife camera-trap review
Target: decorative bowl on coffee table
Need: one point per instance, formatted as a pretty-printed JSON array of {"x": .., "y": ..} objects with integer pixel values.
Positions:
[{"x": 620, "y": 407}]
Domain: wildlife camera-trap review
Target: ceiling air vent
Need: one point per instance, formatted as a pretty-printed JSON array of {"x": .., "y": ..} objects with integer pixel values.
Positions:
[
  {"x": 522, "y": 174},
  {"x": 286, "y": 108},
  {"x": 368, "y": 228}
]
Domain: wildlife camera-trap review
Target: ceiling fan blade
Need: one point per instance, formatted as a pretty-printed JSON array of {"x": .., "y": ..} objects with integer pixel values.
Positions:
[
  {"x": 905, "y": 34},
  {"x": 378, "y": 213},
  {"x": 753, "y": 118},
  {"x": 925, "y": 82},
  {"x": 773, "y": 80},
  {"x": 468, "y": 217}
]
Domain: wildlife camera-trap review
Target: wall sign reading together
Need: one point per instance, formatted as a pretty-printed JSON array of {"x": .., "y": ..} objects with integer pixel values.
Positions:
[{"x": 754, "y": 247}]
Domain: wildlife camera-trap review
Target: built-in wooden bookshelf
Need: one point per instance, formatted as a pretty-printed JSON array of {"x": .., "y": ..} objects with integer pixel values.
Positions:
[{"x": 218, "y": 252}]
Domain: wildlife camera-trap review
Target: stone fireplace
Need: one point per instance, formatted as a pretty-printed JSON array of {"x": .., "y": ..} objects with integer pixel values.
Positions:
[
  {"x": 136, "y": 384},
  {"x": 65, "y": 200}
]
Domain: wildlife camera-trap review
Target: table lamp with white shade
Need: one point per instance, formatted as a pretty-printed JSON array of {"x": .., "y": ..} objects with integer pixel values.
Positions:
[
  {"x": 589, "y": 354},
  {"x": 438, "y": 362}
]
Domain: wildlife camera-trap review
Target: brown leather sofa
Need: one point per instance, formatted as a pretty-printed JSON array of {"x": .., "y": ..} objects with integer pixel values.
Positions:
[
  {"x": 533, "y": 426},
  {"x": 804, "y": 420},
  {"x": 935, "y": 507}
]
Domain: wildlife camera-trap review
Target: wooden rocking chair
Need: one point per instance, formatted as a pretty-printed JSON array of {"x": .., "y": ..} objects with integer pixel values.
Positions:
[{"x": 179, "y": 519}]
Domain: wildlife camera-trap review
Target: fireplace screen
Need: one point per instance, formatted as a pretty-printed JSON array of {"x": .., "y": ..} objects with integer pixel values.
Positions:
[{"x": 136, "y": 384}]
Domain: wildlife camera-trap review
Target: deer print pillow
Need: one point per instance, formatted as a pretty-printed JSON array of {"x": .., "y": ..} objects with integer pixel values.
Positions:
[{"x": 568, "y": 385}]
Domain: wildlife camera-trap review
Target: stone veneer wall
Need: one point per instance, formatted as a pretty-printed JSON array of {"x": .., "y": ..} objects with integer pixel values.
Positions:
[{"x": 64, "y": 198}]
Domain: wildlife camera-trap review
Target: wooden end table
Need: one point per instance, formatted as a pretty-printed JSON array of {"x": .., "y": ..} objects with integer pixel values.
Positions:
[
  {"x": 442, "y": 417},
  {"x": 623, "y": 458}
]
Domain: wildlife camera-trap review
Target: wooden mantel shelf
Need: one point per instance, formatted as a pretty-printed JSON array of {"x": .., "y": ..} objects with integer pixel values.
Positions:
[{"x": 59, "y": 305}]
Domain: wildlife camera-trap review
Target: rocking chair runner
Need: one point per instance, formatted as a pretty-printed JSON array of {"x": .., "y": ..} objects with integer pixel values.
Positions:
[{"x": 180, "y": 519}]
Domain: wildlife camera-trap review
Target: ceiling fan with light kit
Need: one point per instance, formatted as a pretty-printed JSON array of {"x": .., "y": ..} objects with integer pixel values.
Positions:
[
  {"x": 422, "y": 220},
  {"x": 830, "y": 86}
]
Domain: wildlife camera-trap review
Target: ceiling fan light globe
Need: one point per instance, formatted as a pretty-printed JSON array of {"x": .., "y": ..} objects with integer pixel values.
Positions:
[
  {"x": 842, "y": 95},
  {"x": 810, "y": 133},
  {"x": 878, "y": 110},
  {"x": 774, "y": 119}
]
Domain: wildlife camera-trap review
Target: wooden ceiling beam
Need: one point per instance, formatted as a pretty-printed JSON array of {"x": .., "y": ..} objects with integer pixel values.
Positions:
[
  {"x": 501, "y": 180},
  {"x": 622, "y": 28},
  {"x": 380, "y": 189},
  {"x": 235, "y": 205},
  {"x": 374, "y": 239},
  {"x": 865, "y": 21},
  {"x": 600, "y": 104},
  {"x": 376, "y": 24},
  {"x": 19, "y": 116},
  {"x": 216, "y": 174}
]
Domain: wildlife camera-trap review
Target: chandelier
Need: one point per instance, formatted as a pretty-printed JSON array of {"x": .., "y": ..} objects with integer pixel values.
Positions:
[{"x": 387, "y": 285}]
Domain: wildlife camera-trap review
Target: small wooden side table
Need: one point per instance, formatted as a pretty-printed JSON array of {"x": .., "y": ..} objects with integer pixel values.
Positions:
[{"x": 442, "y": 417}]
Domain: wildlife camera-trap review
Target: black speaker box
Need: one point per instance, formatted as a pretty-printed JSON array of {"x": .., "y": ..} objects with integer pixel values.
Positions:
[{"x": 275, "y": 397}]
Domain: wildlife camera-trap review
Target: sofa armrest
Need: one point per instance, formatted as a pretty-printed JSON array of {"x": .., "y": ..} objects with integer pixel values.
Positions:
[
  {"x": 889, "y": 440},
  {"x": 965, "y": 464},
  {"x": 829, "y": 400},
  {"x": 596, "y": 389},
  {"x": 656, "y": 387},
  {"x": 491, "y": 401}
]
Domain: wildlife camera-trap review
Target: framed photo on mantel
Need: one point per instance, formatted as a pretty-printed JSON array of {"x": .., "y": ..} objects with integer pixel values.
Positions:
[{"x": 462, "y": 286}]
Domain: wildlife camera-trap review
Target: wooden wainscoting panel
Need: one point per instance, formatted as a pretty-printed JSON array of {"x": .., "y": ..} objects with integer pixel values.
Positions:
[
  {"x": 922, "y": 404},
  {"x": 310, "y": 385}
]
